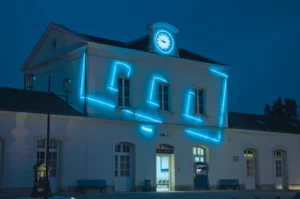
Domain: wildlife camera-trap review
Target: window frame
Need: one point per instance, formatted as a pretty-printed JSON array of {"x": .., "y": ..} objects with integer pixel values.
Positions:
[
  {"x": 123, "y": 92},
  {"x": 162, "y": 102},
  {"x": 196, "y": 109}
]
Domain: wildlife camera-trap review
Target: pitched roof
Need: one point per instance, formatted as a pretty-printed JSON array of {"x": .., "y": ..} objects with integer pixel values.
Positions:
[
  {"x": 263, "y": 123},
  {"x": 34, "y": 102},
  {"x": 141, "y": 44}
]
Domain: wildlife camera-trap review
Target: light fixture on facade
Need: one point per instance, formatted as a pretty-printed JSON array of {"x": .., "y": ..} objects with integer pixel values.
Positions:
[
  {"x": 67, "y": 87},
  {"x": 31, "y": 81},
  {"x": 165, "y": 134}
]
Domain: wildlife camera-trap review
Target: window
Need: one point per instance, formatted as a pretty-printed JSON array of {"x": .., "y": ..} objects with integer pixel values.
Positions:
[
  {"x": 164, "y": 96},
  {"x": 199, "y": 101},
  {"x": 199, "y": 154},
  {"x": 248, "y": 153},
  {"x": 124, "y": 92}
]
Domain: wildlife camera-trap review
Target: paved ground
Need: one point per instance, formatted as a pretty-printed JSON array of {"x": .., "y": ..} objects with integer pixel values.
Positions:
[{"x": 176, "y": 195}]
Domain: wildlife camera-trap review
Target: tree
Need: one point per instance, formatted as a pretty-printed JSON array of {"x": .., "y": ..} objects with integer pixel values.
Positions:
[
  {"x": 267, "y": 110},
  {"x": 278, "y": 109},
  {"x": 290, "y": 107}
]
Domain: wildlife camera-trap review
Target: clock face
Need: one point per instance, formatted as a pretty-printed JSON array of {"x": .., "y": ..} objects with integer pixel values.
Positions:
[{"x": 164, "y": 41}]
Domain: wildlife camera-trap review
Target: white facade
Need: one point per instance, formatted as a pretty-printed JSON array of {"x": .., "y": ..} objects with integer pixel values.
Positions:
[{"x": 122, "y": 144}]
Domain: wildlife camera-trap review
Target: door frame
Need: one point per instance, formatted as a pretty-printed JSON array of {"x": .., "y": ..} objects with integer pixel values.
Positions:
[
  {"x": 132, "y": 164},
  {"x": 255, "y": 167},
  {"x": 170, "y": 152},
  {"x": 284, "y": 168}
]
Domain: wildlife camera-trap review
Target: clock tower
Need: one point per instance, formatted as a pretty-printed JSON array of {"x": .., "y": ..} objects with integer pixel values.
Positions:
[{"x": 162, "y": 39}]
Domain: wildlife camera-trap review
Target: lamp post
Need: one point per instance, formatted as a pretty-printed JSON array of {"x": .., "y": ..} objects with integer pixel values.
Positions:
[{"x": 46, "y": 188}]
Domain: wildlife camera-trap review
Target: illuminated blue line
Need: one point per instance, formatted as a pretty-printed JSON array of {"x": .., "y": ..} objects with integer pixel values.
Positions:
[
  {"x": 152, "y": 88},
  {"x": 82, "y": 96},
  {"x": 203, "y": 136},
  {"x": 219, "y": 73},
  {"x": 114, "y": 74},
  {"x": 223, "y": 102},
  {"x": 142, "y": 116},
  {"x": 101, "y": 102},
  {"x": 147, "y": 129},
  {"x": 195, "y": 118},
  {"x": 189, "y": 100},
  {"x": 187, "y": 114},
  {"x": 82, "y": 76}
]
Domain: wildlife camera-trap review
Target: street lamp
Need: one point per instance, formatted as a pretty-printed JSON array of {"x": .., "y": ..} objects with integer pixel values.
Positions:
[
  {"x": 47, "y": 190},
  {"x": 67, "y": 87},
  {"x": 31, "y": 81}
]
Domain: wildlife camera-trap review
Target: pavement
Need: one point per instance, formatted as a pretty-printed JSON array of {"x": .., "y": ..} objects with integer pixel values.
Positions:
[{"x": 175, "y": 195}]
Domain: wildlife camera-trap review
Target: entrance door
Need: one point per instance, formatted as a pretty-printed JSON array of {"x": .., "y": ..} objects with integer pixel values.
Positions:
[
  {"x": 165, "y": 175},
  {"x": 53, "y": 160},
  {"x": 123, "y": 167},
  {"x": 249, "y": 169},
  {"x": 278, "y": 165},
  {"x": 163, "y": 172}
]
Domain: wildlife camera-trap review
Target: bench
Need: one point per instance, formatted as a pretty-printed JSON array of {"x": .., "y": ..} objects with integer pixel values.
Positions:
[
  {"x": 85, "y": 184},
  {"x": 228, "y": 183}
]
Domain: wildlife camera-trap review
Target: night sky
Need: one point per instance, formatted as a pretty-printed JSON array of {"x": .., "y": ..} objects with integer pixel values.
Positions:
[{"x": 258, "y": 39}]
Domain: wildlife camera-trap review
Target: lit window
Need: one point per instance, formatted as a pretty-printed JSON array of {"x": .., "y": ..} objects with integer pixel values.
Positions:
[
  {"x": 199, "y": 101},
  {"x": 164, "y": 96},
  {"x": 199, "y": 154},
  {"x": 123, "y": 92}
]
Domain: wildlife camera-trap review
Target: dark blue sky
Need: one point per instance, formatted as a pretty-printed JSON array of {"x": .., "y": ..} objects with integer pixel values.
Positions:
[{"x": 259, "y": 39}]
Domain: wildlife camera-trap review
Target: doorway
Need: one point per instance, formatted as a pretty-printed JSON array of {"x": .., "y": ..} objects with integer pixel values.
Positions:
[
  {"x": 249, "y": 162},
  {"x": 165, "y": 175},
  {"x": 279, "y": 169},
  {"x": 123, "y": 167}
]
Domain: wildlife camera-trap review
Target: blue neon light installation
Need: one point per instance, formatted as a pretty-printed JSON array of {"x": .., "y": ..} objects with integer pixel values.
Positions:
[
  {"x": 82, "y": 85},
  {"x": 117, "y": 66},
  {"x": 171, "y": 45},
  {"x": 203, "y": 133},
  {"x": 142, "y": 116},
  {"x": 101, "y": 102},
  {"x": 203, "y": 136},
  {"x": 152, "y": 89},
  {"x": 147, "y": 130},
  {"x": 188, "y": 107}
]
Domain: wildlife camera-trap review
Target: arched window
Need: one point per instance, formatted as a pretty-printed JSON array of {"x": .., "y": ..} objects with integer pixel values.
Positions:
[{"x": 199, "y": 154}]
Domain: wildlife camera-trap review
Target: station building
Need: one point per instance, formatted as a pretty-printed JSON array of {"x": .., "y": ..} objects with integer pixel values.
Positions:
[{"x": 133, "y": 111}]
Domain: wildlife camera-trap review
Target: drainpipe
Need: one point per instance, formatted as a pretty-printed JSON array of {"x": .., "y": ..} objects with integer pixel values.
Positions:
[{"x": 85, "y": 82}]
